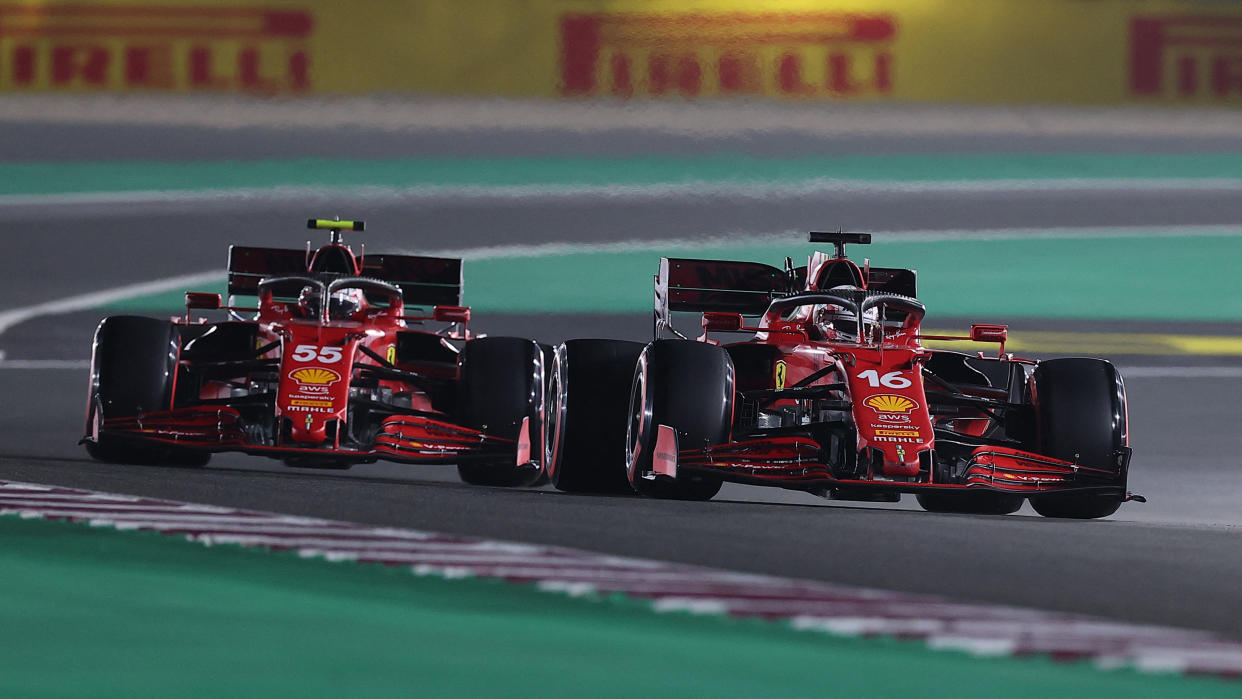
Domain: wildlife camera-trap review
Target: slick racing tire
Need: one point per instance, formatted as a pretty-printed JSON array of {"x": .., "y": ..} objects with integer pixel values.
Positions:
[
  {"x": 132, "y": 370},
  {"x": 1081, "y": 411},
  {"x": 688, "y": 386},
  {"x": 588, "y": 400},
  {"x": 971, "y": 503},
  {"x": 502, "y": 383}
]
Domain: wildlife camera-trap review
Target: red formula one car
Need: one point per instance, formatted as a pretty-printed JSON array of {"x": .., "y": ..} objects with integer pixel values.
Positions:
[
  {"x": 332, "y": 367},
  {"x": 833, "y": 393}
]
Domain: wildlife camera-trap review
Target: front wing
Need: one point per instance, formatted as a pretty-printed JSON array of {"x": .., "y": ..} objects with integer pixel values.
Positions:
[
  {"x": 794, "y": 462},
  {"x": 404, "y": 438}
]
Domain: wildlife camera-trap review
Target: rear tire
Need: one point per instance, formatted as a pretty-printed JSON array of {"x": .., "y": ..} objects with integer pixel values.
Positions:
[
  {"x": 971, "y": 503},
  {"x": 133, "y": 365},
  {"x": 588, "y": 400},
  {"x": 688, "y": 386},
  {"x": 1080, "y": 404},
  {"x": 502, "y": 383}
]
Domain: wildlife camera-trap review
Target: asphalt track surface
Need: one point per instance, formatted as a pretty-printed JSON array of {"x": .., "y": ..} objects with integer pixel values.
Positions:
[{"x": 1177, "y": 564}]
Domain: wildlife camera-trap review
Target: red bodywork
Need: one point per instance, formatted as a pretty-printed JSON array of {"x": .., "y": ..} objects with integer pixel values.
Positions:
[
  {"x": 906, "y": 434},
  {"x": 304, "y": 371}
]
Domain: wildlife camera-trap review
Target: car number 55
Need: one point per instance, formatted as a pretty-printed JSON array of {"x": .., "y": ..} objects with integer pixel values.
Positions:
[{"x": 326, "y": 355}]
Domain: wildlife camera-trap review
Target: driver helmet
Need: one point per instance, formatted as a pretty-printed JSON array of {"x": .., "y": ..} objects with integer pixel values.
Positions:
[
  {"x": 345, "y": 303},
  {"x": 840, "y": 323},
  {"x": 308, "y": 302}
]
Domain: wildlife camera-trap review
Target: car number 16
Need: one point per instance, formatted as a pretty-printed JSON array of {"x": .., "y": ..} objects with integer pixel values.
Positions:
[{"x": 892, "y": 379}]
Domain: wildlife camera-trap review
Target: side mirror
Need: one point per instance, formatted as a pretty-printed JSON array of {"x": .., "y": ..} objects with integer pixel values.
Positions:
[
  {"x": 451, "y": 314},
  {"x": 989, "y": 333},
  {"x": 722, "y": 322},
  {"x": 202, "y": 300}
]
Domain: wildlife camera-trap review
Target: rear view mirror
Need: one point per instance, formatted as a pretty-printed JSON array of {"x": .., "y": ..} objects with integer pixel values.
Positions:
[
  {"x": 202, "y": 301},
  {"x": 722, "y": 322},
  {"x": 451, "y": 314},
  {"x": 989, "y": 333}
]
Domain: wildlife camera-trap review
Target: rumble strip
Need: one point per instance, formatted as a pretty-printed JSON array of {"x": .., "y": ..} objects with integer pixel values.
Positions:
[{"x": 978, "y": 629}]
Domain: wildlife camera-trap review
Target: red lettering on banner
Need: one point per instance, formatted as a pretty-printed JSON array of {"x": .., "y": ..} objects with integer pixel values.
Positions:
[
  {"x": 88, "y": 63},
  {"x": 1186, "y": 56},
  {"x": 795, "y": 55},
  {"x": 154, "y": 47}
]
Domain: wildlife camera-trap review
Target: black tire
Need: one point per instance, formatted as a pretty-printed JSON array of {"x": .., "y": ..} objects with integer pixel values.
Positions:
[
  {"x": 133, "y": 365},
  {"x": 688, "y": 386},
  {"x": 1081, "y": 417},
  {"x": 588, "y": 404},
  {"x": 971, "y": 503},
  {"x": 502, "y": 383}
]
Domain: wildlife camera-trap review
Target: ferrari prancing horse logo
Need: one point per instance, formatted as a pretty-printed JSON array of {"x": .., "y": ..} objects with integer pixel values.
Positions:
[{"x": 780, "y": 375}]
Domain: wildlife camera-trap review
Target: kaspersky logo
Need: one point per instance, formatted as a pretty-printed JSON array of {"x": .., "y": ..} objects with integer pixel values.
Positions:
[
  {"x": 813, "y": 54},
  {"x": 888, "y": 403},
  {"x": 314, "y": 377}
]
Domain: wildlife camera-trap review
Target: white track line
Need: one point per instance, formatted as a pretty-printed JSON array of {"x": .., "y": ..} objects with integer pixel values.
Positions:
[
  {"x": 95, "y": 299},
  {"x": 698, "y": 119},
  {"x": 842, "y": 610},
  {"x": 756, "y": 189}
]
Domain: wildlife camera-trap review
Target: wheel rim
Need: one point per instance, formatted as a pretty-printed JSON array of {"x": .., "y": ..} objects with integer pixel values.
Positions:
[
  {"x": 556, "y": 414},
  {"x": 640, "y": 415}
]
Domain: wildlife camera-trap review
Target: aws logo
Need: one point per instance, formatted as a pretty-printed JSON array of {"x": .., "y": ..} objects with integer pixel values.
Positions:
[
  {"x": 888, "y": 403},
  {"x": 314, "y": 376}
]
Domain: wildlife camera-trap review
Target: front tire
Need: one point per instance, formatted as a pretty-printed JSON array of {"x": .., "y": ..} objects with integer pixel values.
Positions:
[
  {"x": 1081, "y": 409},
  {"x": 133, "y": 366},
  {"x": 688, "y": 386},
  {"x": 588, "y": 398},
  {"x": 502, "y": 383}
]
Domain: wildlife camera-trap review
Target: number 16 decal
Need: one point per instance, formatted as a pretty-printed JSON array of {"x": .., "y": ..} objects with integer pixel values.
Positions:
[{"x": 892, "y": 379}]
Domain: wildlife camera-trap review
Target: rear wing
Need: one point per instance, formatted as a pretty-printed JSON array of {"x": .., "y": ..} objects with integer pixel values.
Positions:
[
  {"x": 890, "y": 280},
  {"x": 684, "y": 284},
  {"x": 424, "y": 281},
  {"x": 748, "y": 288},
  {"x": 249, "y": 266}
]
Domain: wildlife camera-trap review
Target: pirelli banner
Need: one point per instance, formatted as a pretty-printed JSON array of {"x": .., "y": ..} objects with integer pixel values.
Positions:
[{"x": 1013, "y": 51}]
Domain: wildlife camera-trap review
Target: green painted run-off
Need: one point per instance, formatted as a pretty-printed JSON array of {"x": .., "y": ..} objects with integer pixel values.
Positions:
[
  {"x": 95, "y": 612},
  {"x": 122, "y": 176}
]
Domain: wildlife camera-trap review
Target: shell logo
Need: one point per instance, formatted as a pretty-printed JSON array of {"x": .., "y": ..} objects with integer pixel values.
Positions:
[
  {"x": 887, "y": 403},
  {"x": 314, "y": 376}
]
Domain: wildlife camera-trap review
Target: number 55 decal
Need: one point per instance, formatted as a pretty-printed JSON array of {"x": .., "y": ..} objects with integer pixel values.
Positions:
[
  {"x": 892, "y": 379},
  {"x": 326, "y": 355}
]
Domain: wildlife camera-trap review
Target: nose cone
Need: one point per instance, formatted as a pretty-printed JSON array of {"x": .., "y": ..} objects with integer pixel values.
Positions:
[{"x": 309, "y": 430}]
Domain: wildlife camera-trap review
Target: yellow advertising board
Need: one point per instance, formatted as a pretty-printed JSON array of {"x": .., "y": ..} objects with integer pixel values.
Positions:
[{"x": 1013, "y": 51}]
